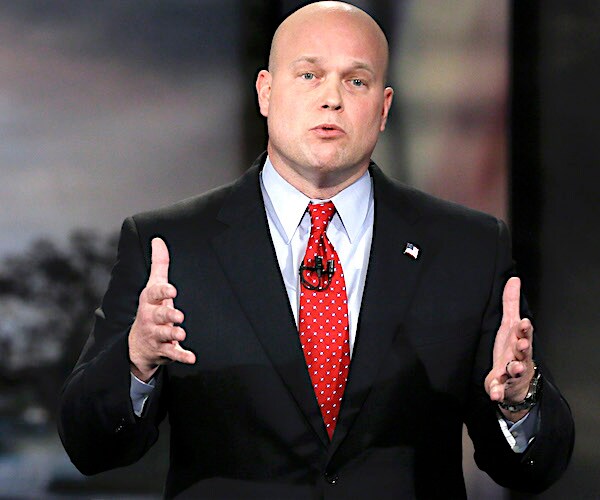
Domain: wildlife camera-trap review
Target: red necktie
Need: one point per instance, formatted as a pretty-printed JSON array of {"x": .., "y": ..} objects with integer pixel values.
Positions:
[{"x": 323, "y": 318}]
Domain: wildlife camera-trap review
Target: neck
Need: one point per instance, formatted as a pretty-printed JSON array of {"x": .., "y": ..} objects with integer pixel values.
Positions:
[{"x": 318, "y": 184}]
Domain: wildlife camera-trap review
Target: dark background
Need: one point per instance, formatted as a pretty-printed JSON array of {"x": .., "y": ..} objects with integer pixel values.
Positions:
[
  {"x": 109, "y": 108},
  {"x": 555, "y": 202}
]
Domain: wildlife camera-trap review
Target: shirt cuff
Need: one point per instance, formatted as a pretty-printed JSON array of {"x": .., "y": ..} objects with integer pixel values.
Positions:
[
  {"x": 139, "y": 392},
  {"x": 520, "y": 433}
]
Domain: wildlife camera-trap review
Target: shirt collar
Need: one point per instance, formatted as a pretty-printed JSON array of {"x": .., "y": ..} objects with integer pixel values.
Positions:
[
  {"x": 289, "y": 204},
  {"x": 352, "y": 205}
]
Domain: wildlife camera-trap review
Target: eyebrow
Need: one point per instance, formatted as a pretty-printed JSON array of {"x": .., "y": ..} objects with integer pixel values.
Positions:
[
  {"x": 308, "y": 59},
  {"x": 316, "y": 60}
]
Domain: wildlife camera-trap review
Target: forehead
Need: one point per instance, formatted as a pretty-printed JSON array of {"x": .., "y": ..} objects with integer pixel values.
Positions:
[{"x": 338, "y": 38}]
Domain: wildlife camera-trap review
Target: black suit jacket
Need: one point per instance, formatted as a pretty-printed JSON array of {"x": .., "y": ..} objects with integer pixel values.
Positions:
[{"x": 244, "y": 420}]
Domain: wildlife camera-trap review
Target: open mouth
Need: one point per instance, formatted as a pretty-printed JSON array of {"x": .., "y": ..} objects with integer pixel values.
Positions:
[
  {"x": 329, "y": 126},
  {"x": 328, "y": 130}
]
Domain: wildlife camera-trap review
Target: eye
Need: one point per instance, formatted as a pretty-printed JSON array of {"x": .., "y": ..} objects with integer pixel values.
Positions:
[
  {"x": 357, "y": 82},
  {"x": 308, "y": 76}
]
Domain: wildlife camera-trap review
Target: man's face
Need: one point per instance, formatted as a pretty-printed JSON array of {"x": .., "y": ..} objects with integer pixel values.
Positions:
[{"x": 324, "y": 98}]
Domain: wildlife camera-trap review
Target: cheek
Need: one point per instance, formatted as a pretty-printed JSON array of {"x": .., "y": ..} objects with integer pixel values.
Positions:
[
  {"x": 277, "y": 121},
  {"x": 280, "y": 111},
  {"x": 281, "y": 99},
  {"x": 377, "y": 121},
  {"x": 290, "y": 119},
  {"x": 370, "y": 124}
]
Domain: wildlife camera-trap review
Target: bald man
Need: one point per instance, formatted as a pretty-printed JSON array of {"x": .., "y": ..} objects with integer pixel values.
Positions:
[{"x": 316, "y": 330}]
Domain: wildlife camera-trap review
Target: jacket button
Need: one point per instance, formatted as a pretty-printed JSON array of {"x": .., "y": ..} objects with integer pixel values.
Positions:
[
  {"x": 331, "y": 478},
  {"x": 120, "y": 426}
]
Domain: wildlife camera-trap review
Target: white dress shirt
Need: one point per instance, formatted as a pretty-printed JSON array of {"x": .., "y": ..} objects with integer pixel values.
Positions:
[{"x": 350, "y": 232}]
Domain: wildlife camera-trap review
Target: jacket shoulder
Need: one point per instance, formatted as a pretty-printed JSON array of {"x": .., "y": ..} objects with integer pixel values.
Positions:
[
  {"x": 210, "y": 208},
  {"x": 207, "y": 204},
  {"x": 418, "y": 205}
]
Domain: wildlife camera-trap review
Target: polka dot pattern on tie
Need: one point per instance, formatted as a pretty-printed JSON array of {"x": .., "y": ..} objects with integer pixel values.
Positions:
[{"x": 323, "y": 319}]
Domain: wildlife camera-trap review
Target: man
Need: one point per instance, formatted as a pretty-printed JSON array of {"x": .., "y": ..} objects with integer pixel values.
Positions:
[{"x": 208, "y": 317}]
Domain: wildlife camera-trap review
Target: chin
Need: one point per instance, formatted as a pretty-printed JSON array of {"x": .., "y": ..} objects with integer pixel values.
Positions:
[{"x": 328, "y": 160}]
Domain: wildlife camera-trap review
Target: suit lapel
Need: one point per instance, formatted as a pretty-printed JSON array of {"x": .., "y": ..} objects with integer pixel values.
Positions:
[
  {"x": 248, "y": 258},
  {"x": 391, "y": 279}
]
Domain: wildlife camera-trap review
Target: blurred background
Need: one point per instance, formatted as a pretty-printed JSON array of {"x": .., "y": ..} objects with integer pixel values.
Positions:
[{"x": 115, "y": 107}]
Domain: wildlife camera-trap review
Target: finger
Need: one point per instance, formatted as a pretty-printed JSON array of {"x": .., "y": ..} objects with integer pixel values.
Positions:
[
  {"x": 522, "y": 346},
  {"x": 521, "y": 350},
  {"x": 515, "y": 369},
  {"x": 165, "y": 314},
  {"x": 156, "y": 293},
  {"x": 496, "y": 390},
  {"x": 511, "y": 300},
  {"x": 177, "y": 353},
  {"x": 494, "y": 382},
  {"x": 525, "y": 329},
  {"x": 159, "y": 268},
  {"x": 166, "y": 334}
]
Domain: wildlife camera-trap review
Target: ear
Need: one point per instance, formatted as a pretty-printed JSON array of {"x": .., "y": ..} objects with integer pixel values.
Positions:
[
  {"x": 263, "y": 91},
  {"x": 388, "y": 95}
]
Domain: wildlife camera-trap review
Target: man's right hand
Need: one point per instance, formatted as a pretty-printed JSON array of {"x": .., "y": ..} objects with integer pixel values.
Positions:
[{"x": 154, "y": 338}]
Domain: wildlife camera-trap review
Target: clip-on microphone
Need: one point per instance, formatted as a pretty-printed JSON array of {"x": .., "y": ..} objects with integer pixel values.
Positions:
[{"x": 320, "y": 270}]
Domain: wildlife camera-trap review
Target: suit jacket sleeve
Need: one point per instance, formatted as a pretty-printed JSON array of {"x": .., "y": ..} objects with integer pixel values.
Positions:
[
  {"x": 96, "y": 421},
  {"x": 548, "y": 455}
]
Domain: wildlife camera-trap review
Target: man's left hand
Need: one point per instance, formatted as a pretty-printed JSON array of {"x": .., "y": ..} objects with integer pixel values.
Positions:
[{"x": 512, "y": 369}]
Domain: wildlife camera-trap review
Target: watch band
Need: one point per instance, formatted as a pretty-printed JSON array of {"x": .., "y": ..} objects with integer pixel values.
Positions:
[{"x": 533, "y": 395}]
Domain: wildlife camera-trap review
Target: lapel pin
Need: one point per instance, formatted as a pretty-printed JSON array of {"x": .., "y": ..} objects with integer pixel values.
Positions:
[{"x": 412, "y": 251}]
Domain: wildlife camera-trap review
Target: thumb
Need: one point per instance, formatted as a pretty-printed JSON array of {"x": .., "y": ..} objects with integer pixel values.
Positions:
[
  {"x": 511, "y": 301},
  {"x": 159, "y": 268}
]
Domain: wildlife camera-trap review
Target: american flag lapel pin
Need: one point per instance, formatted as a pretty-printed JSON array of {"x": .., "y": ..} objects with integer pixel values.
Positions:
[{"x": 411, "y": 250}]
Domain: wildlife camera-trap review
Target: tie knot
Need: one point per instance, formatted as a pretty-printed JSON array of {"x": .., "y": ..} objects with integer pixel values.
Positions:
[{"x": 320, "y": 215}]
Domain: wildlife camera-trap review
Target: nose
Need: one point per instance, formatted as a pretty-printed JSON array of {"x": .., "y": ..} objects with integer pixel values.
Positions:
[{"x": 332, "y": 97}]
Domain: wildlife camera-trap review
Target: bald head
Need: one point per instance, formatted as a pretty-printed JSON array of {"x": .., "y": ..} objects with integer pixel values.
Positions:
[
  {"x": 319, "y": 16},
  {"x": 324, "y": 96}
]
